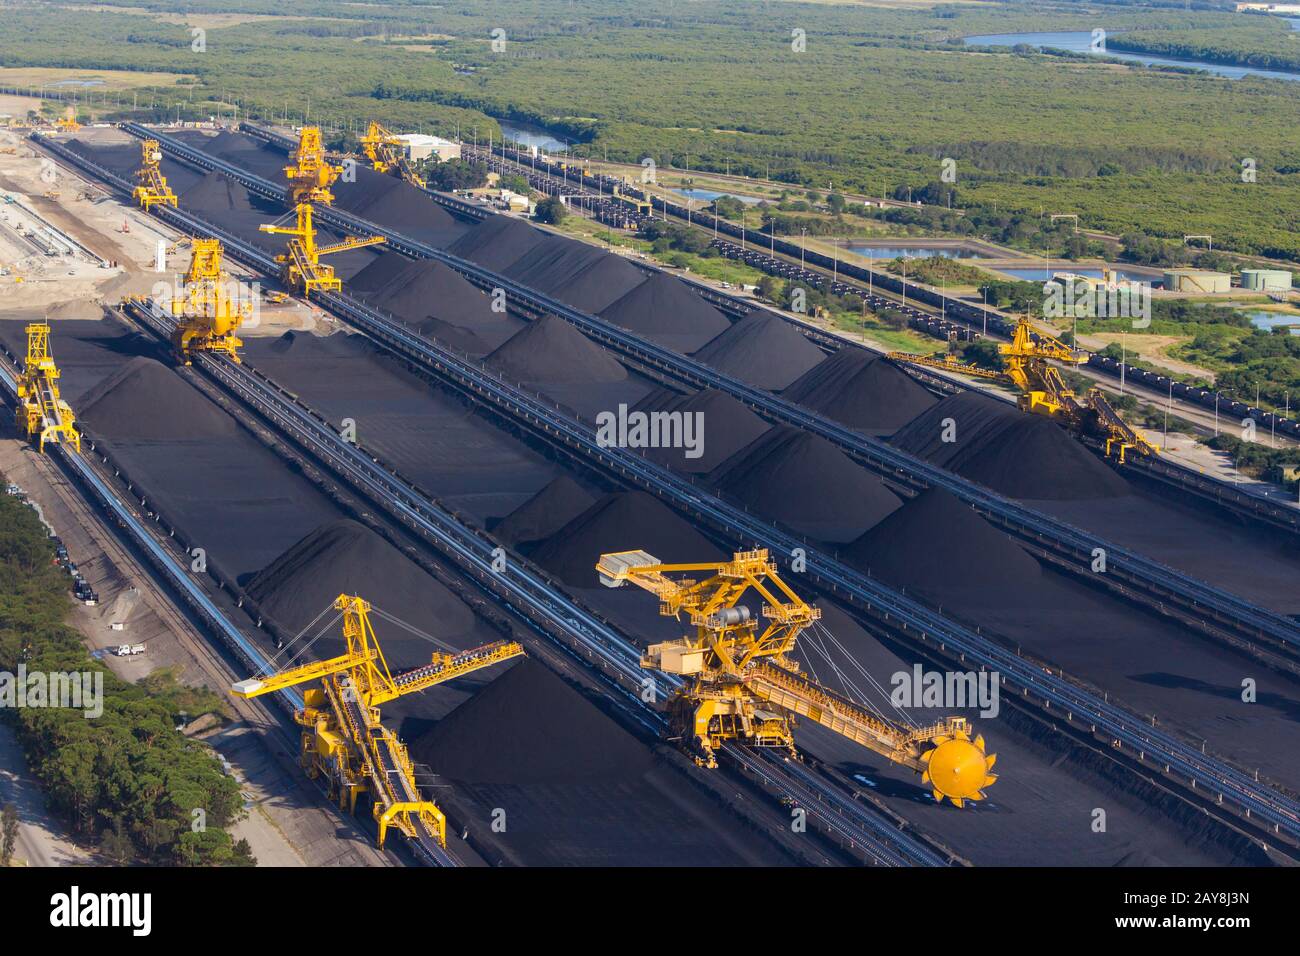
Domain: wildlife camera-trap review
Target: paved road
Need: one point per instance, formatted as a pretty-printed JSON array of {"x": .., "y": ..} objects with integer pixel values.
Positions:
[{"x": 42, "y": 839}]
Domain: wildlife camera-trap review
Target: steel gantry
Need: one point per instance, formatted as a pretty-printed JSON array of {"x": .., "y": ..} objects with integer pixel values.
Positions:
[
  {"x": 43, "y": 416},
  {"x": 737, "y": 671},
  {"x": 208, "y": 306},
  {"x": 152, "y": 188},
  {"x": 344, "y": 739}
]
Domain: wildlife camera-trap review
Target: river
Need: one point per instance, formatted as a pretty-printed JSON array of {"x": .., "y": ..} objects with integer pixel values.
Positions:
[{"x": 1081, "y": 42}]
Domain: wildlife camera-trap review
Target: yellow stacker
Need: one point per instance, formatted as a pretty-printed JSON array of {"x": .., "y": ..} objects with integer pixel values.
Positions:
[
  {"x": 384, "y": 150},
  {"x": 207, "y": 307},
  {"x": 153, "y": 189},
  {"x": 309, "y": 172},
  {"x": 743, "y": 685},
  {"x": 302, "y": 266},
  {"x": 43, "y": 416},
  {"x": 1027, "y": 362},
  {"x": 67, "y": 123},
  {"x": 343, "y": 738}
]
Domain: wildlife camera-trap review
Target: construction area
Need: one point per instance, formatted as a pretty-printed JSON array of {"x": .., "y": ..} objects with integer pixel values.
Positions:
[{"x": 382, "y": 415}]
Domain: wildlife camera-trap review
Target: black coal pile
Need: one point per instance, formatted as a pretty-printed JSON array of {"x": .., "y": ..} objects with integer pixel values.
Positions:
[
  {"x": 862, "y": 390},
  {"x": 544, "y": 513},
  {"x": 577, "y": 274},
  {"x": 551, "y": 351},
  {"x": 725, "y": 427},
  {"x": 665, "y": 310},
  {"x": 940, "y": 547},
  {"x": 397, "y": 204},
  {"x": 146, "y": 401},
  {"x": 805, "y": 483},
  {"x": 216, "y": 191},
  {"x": 88, "y": 350},
  {"x": 622, "y": 521},
  {"x": 344, "y": 557},
  {"x": 497, "y": 242},
  {"x": 529, "y": 727},
  {"x": 763, "y": 350},
  {"x": 531, "y": 743},
  {"x": 1019, "y": 455},
  {"x": 248, "y": 152},
  {"x": 437, "y": 299}
]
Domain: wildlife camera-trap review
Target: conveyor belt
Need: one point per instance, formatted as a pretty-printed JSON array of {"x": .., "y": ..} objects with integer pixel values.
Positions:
[{"x": 1235, "y": 792}]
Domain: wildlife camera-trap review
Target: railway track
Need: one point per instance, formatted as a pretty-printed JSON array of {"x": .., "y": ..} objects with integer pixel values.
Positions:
[
  {"x": 1228, "y": 793},
  {"x": 1196, "y": 604}
]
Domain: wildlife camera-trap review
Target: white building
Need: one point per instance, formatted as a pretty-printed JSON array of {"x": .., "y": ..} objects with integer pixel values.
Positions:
[{"x": 420, "y": 146}]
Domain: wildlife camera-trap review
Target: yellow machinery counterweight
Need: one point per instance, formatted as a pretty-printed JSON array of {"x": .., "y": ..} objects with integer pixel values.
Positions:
[
  {"x": 385, "y": 152},
  {"x": 742, "y": 683},
  {"x": 302, "y": 266},
  {"x": 309, "y": 172},
  {"x": 153, "y": 189},
  {"x": 344, "y": 739},
  {"x": 43, "y": 416},
  {"x": 208, "y": 307}
]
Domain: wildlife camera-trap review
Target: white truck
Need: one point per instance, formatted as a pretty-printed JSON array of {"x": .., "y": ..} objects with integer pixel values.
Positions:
[{"x": 129, "y": 650}]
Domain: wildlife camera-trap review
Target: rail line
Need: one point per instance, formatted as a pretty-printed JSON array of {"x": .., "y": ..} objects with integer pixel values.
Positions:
[
  {"x": 1227, "y": 792},
  {"x": 1201, "y": 605}
]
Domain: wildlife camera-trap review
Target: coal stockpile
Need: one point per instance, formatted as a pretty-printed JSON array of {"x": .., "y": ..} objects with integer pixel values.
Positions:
[
  {"x": 496, "y": 242},
  {"x": 217, "y": 191},
  {"x": 344, "y": 557},
  {"x": 577, "y": 274},
  {"x": 398, "y": 205},
  {"x": 665, "y": 310},
  {"x": 425, "y": 432},
  {"x": 544, "y": 513},
  {"x": 725, "y": 427},
  {"x": 221, "y": 488},
  {"x": 862, "y": 390},
  {"x": 622, "y": 521},
  {"x": 248, "y": 152},
  {"x": 763, "y": 350},
  {"x": 551, "y": 351},
  {"x": 1019, "y": 455},
  {"x": 806, "y": 484},
  {"x": 555, "y": 735},
  {"x": 438, "y": 300},
  {"x": 935, "y": 544},
  {"x": 578, "y": 789},
  {"x": 87, "y": 350},
  {"x": 144, "y": 401}
]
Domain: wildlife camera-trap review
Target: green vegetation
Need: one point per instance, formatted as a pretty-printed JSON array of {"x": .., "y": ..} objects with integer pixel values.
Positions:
[
  {"x": 551, "y": 210},
  {"x": 939, "y": 270},
  {"x": 872, "y": 106},
  {"x": 454, "y": 174},
  {"x": 127, "y": 778}
]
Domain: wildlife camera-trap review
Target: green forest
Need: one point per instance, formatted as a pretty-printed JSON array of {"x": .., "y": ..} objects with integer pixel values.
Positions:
[
  {"x": 839, "y": 97},
  {"x": 126, "y": 781}
]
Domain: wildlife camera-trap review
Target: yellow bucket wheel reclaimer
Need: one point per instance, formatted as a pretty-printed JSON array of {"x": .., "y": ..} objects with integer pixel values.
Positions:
[{"x": 741, "y": 683}]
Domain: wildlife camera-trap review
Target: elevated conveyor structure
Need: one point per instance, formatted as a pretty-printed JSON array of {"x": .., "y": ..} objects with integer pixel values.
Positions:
[
  {"x": 43, "y": 416},
  {"x": 345, "y": 741}
]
